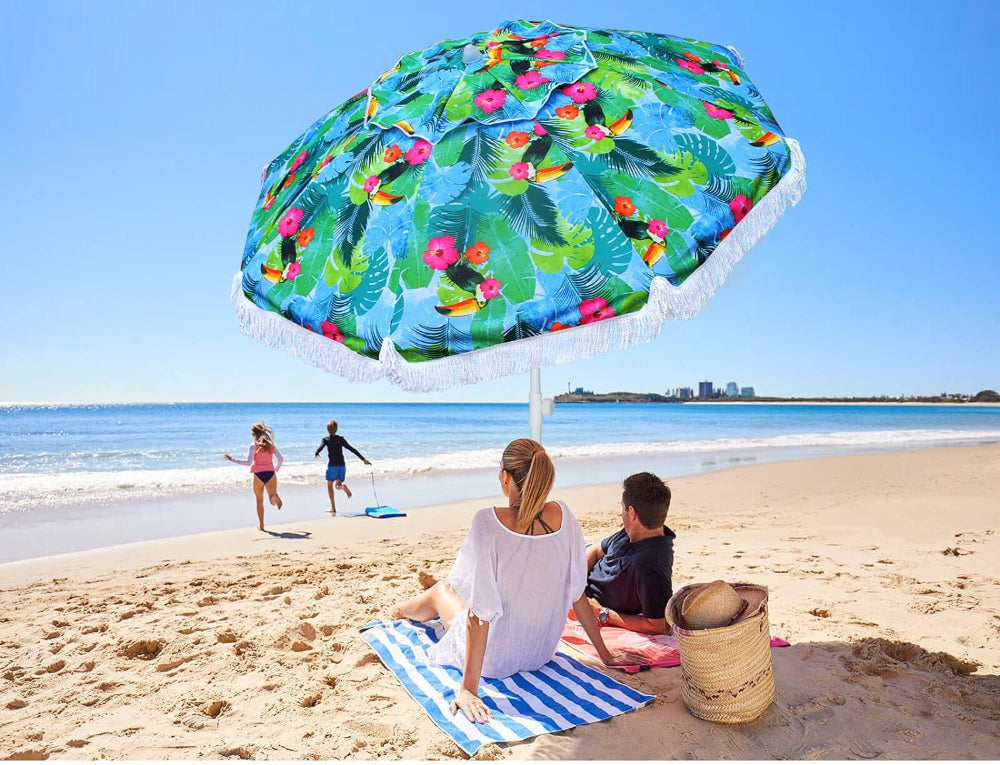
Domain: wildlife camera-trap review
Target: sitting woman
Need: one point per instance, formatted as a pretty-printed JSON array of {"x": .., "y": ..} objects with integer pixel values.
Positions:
[{"x": 521, "y": 568}]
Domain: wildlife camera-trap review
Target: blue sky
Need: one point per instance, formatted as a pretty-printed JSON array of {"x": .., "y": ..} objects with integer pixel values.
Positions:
[{"x": 134, "y": 135}]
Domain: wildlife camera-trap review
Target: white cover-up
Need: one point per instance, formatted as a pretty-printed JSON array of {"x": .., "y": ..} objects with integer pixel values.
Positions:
[{"x": 522, "y": 585}]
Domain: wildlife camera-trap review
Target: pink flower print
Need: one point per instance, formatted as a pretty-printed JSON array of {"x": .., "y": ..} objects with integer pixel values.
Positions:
[
  {"x": 297, "y": 162},
  {"x": 292, "y": 270},
  {"x": 691, "y": 66},
  {"x": 491, "y": 100},
  {"x": 530, "y": 80},
  {"x": 539, "y": 130},
  {"x": 372, "y": 183},
  {"x": 580, "y": 92},
  {"x": 441, "y": 252},
  {"x": 596, "y": 132},
  {"x": 520, "y": 170},
  {"x": 717, "y": 111},
  {"x": 550, "y": 55},
  {"x": 595, "y": 309},
  {"x": 330, "y": 330},
  {"x": 740, "y": 206},
  {"x": 490, "y": 288},
  {"x": 289, "y": 222},
  {"x": 421, "y": 151},
  {"x": 657, "y": 229}
]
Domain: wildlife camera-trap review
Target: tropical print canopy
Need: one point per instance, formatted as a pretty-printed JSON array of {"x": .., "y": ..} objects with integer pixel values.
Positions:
[{"x": 509, "y": 187}]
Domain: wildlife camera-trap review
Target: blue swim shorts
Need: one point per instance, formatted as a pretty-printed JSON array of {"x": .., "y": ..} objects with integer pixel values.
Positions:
[{"x": 336, "y": 472}]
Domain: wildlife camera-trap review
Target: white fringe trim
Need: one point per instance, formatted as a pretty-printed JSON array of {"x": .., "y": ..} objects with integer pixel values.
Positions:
[
  {"x": 739, "y": 57},
  {"x": 665, "y": 301}
]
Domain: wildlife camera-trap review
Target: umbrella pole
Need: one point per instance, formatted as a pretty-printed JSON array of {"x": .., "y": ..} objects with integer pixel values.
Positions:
[
  {"x": 535, "y": 405},
  {"x": 538, "y": 407}
]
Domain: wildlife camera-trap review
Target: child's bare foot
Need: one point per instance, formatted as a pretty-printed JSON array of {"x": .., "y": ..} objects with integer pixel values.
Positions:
[
  {"x": 347, "y": 491},
  {"x": 332, "y": 511},
  {"x": 261, "y": 527}
]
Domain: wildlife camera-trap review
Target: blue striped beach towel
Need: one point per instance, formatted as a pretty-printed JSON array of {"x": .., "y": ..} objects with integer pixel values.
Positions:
[{"x": 559, "y": 696}]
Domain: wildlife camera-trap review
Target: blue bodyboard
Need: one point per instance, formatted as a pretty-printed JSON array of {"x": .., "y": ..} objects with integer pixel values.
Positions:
[{"x": 384, "y": 511}]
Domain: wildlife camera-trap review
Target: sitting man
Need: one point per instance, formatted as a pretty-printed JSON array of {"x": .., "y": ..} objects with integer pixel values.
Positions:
[{"x": 630, "y": 571}]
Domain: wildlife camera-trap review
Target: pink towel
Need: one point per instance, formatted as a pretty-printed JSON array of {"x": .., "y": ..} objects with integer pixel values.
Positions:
[{"x": 661, "y": 650}]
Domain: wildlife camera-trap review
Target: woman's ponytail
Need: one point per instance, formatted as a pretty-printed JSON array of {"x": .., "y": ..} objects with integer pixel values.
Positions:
[{"x": 533, "y": 474}]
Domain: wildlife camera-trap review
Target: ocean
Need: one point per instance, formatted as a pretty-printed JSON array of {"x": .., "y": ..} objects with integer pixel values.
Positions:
[{"x": 66, "y": 469}]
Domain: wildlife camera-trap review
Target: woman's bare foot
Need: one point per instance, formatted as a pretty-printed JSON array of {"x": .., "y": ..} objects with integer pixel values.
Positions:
[
  {"x": 276, "y": 500},
  {"x": 396, "y": 612}
]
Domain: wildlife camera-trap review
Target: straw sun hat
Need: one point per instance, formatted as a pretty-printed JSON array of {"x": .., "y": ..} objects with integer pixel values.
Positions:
[{"x": 717, "y": 604}]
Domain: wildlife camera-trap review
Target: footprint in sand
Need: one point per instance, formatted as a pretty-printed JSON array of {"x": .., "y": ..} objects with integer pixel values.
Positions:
[
  {"x": 215, "y": 708},
  {"x": 142, "y": 649},
  {"x": 55, "y": 666},
  {"x": 367, "y": 659},
  {"x": 30, "y": 754},
  {"x": 244, "y": 753}
]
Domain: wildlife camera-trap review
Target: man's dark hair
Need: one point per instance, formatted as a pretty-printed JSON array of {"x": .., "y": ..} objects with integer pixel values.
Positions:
[{"x": 649, "y": 496}]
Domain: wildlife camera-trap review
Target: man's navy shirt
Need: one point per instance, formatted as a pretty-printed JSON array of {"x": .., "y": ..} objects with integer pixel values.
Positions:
[{"x": 634, "y": 578}]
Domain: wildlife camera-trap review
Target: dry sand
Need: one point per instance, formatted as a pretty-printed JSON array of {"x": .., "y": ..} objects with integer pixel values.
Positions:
[{"x": 883, "y": 572}]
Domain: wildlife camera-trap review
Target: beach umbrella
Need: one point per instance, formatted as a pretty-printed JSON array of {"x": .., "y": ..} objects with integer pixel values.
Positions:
[{"x": 526, "y": 196}]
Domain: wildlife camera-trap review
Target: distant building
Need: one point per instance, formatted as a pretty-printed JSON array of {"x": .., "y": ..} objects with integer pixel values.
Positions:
[
  {"x": 705, "y": 389},
  {"x": 732, "y": 390},
  {"x": 684, "y": 394},
  {"x": 747, "y": 392}
]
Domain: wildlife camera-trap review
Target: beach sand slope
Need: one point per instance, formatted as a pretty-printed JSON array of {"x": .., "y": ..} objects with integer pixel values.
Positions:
[{"x": 882, "y": 571}]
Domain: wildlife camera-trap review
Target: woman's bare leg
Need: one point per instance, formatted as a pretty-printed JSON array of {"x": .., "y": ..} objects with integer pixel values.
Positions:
[
  {"x": 440, "y": 600},
  {"x": 272, "y": 491},
  {"x": 258, "y": 491}
]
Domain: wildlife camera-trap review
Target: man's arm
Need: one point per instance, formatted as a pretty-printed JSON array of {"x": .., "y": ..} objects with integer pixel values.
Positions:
[
  {"x": 635, "y": 622},
  {"x": 594, "y": 554}
]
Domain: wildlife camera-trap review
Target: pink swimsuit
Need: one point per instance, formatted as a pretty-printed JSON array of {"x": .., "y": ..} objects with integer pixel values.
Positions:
[{"x": 262, "y": 460}]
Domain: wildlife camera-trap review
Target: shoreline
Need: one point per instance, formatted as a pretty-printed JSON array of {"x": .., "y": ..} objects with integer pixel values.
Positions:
[
  {"x": 91, "y": 522},
  {"x": 880, "y": 568}
]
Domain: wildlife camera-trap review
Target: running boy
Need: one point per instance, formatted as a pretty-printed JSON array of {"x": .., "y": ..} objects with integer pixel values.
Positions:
[{"x": 336, "y": 469}]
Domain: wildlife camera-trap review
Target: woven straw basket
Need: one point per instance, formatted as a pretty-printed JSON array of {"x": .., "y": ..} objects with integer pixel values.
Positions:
[{"x": 726, "y": 672}]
